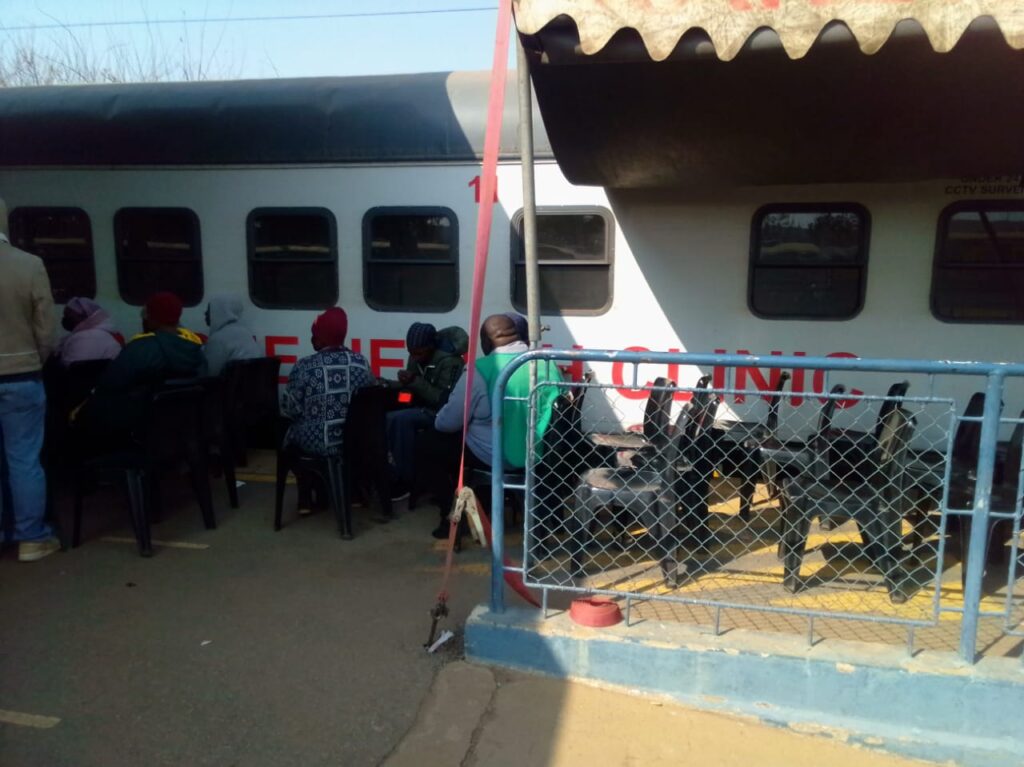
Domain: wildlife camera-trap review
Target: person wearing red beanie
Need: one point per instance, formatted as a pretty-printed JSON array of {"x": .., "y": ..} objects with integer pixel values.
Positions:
[{"x": 319, "y": 392}]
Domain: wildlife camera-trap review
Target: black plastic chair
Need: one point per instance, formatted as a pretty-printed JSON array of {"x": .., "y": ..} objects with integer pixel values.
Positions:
[
  {"x": 172, "y": 433},
  {"x": 251, "y": 405},
  {"x": 738, "y": 447},
  {"x": 665, "y": 495},
  {"x": 656, "y": 421},
  {"x": 332, "y": 472},
  {"x": 876, "y": 504},
  {"x": 1005, "y": 488},
  {"x": 215, "y": 431}
]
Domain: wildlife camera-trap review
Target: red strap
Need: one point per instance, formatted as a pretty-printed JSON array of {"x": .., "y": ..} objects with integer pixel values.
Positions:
[{"x": 485, "y": 213}]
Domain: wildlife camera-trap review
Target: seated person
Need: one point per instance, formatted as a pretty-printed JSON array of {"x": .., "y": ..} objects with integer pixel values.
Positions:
[
  {"x": 161, "y": 352},
  {"x": 435, "y": 364},
  {"x": 229, "y": 338},
  {"x": 319, "y": 391},
  {"x": 93, "y": 335},
  {"x": 500, "y": 344}
]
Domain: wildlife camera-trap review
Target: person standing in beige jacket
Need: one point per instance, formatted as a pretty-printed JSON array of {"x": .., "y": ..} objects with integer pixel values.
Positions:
[{"x": 27, "y": 336}]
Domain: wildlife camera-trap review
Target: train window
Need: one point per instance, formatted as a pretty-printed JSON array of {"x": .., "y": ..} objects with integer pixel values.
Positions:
[
  {"x": 62, "y": 237},
  {"x": 979, "y": 263},
  {"x": 411, "y": 259},
  {"x": 158, "y": 249},
  {"x": 574, "y": 261},
  {"x": 293, "y": 258},
  {"x": 808, "y": 261}
]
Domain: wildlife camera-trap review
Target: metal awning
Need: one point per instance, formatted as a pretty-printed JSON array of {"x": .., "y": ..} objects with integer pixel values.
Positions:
[
  {"x": 729, "y": 24},
  {"x": 753, "y": 92}
]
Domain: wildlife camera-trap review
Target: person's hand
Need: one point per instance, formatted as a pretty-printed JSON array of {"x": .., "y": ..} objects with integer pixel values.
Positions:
[{"x": 405, "y": 377}]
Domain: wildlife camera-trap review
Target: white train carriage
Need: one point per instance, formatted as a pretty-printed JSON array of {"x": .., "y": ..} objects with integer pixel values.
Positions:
[{"x": 362, "y": 192}]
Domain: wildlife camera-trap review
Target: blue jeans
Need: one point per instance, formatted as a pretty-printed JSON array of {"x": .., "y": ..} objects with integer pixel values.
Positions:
[
  {"x": 402, "y": 426},
  {"x": 22, "y": 420}
]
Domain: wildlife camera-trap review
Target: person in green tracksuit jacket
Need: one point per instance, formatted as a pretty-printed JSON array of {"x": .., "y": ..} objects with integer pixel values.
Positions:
[{"x": 500, "y": 343}]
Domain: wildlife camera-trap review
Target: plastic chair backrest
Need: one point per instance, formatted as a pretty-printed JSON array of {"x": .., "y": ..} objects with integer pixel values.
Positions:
[
  {"x": 967, "y": 439},
  {"x": 703, "y": 407},
  {"x": 1011, "y": 473},
  {"x": 659, "y": 404},
  {"x": 174, "y": 423},
  {"x": 772, "y": 422},
  {"x": 251, "y": 387},
  {"x": 893, "y": 399},
  {"x": 890, "y": 458}
]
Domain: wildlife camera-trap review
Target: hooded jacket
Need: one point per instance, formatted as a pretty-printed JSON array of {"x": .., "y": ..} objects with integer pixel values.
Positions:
[
  {"x": 433, "y": 383},
  {"x": 27, "y": 328},
  {"x": 94, "y": 338},
  {"x": 123, "y": 390},
  {"x": 229, "y": 338}
]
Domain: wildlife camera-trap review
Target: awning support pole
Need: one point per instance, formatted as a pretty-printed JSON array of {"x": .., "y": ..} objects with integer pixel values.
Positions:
[{"x": 529, "y": 194}]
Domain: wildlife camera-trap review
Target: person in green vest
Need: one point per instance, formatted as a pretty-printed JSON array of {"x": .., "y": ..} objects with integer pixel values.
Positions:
[{"x": 500, "y": 343}]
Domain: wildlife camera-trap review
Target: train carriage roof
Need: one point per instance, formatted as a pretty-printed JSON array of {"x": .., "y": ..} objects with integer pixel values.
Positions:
[{"x": 434, "y": 117}]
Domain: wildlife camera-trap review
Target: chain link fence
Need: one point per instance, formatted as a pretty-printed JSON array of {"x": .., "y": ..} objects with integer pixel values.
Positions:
[{"x": 828, "y": 500}]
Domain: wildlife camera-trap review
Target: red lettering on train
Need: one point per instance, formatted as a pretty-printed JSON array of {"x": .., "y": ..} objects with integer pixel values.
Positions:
[
  {"x": 270, "y": 345},
  {"x": 617, "y": 377},
  {"x": 760, "y": 383},
  {"x": 475, "y": 183},
  {"x": 377, "y": 361},
  {"x": 819, "y": 383}
]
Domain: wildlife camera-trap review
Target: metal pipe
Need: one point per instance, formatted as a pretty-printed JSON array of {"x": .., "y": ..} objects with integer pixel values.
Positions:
[
  {"x": 529, "y": 195},
  {"x": 980, "y": 516}
]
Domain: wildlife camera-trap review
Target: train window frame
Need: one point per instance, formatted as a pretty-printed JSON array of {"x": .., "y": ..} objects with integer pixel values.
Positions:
[
  {"x": 369, "y": 262},
  {"x": 195, "y": 243},
  {"x": 517, "y": 256},
  {"x": 941, "y": 233},
  {"x": 252, "y": 259},
  {"x": 14, "y": 224},
  {"x": 862, "y": 265}
]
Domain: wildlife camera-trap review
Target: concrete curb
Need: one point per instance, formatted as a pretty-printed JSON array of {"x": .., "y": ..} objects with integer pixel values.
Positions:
[{"x": 930, "y": 706}]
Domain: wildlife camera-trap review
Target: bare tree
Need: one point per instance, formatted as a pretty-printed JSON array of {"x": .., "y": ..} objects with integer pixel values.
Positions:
[{"x": 67, "y": 58}]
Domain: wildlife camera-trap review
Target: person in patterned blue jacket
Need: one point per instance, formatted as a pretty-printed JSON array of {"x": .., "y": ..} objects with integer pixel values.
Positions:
[{"x": 319, "y": 392}]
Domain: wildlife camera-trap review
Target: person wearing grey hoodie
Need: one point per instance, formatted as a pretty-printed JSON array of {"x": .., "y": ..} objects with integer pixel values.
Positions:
[{"x": 229, "y": 338}]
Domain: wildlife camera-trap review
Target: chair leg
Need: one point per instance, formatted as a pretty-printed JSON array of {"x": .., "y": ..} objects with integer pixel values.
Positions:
[
  {"x": 794, "y": 541},
  {"x": 229, "y": 478},
  {"x": 336, "y": 490},
  {"x": 76, "y": 530},
  {"x": 747, "y": 490},
  {"x": 579, "y": 528},
  {"x": 282, "y": 480},
  {"x": 199, "y": 474},
  {"x": 138, "y": 491},
  {"x": 154, "y": 501}
]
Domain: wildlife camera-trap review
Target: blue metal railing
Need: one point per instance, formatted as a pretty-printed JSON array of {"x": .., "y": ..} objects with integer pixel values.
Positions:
[{"x": 995, "y": 375}]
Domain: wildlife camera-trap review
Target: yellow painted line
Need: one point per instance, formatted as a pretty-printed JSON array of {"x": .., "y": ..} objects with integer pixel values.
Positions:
[
  {"x": 155, "y": 542},
  {"x": 268, "y": 479},
  {"x": 28, "y": 720},
  {"x": 470, "y": 568}
]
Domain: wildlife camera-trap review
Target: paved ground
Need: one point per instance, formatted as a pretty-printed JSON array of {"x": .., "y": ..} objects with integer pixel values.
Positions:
[
  {"x": 263, "y": 648},
  {"x": 242, "y": 646},
  {"x": 476, "y": 717}
]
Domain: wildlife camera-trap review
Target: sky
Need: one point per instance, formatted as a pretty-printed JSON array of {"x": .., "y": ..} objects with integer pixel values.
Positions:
[{"x": 293, "y": 48}]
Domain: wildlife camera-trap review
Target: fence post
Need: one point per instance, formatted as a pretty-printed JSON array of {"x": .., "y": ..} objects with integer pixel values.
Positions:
[
  {"x": 498, "y": 489},
  {"x": 980, "y": 515}
]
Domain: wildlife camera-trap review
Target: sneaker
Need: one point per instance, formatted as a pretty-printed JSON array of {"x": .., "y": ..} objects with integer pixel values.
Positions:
[
  {"x": 400, "y": 497},
  {"x": 31, "y": 551},
  {"x": 441, "y": 531},
  {"x": 304, "y": 511}
]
